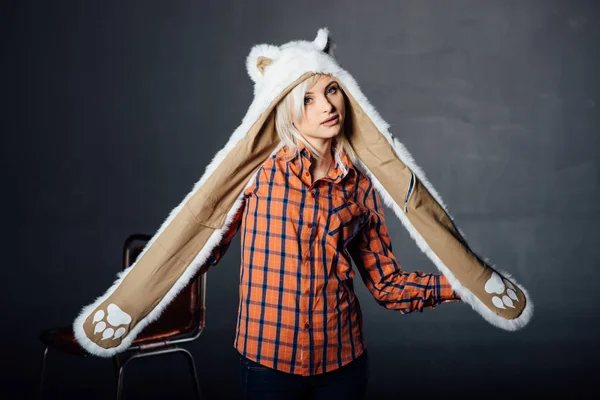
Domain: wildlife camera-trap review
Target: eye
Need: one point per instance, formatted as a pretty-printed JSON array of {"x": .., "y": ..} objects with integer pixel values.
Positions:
[
  {"x": 332, "y": 89},
  {"x": 306, "y": 100}
]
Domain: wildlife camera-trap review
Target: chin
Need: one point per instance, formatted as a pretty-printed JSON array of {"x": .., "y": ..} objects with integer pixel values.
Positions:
[{"x": 332, "y": 132}]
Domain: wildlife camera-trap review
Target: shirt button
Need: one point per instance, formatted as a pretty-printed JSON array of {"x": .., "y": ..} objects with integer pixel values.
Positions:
[
  {"x": 306, "y": 326},
  {"x": 309, "y": 224}
]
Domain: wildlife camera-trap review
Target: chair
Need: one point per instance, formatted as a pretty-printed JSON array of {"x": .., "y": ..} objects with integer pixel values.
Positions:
[{"x": 181, "y": 322}]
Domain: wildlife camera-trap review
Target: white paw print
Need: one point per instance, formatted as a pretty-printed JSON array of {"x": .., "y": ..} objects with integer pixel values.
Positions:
[
  {"x": 115, "y": 317},
  {"x": 497, "y": 285}
]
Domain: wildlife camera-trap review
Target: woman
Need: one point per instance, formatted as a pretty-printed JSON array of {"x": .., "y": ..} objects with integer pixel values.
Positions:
[
  {"x": 302, "y": 176},
  {"x": 299, "y": 328}
]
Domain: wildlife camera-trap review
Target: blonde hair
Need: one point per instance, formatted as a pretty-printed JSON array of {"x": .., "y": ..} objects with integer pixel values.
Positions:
[{"x": 292, "y": 105}]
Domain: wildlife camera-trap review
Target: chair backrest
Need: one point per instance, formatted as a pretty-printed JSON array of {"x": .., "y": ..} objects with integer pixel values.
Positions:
[{"x": 185, "y": 316}]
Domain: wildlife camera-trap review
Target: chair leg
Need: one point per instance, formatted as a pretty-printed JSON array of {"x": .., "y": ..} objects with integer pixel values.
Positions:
[
  {"x": 192, "y": 365},
  {"x": 120, "y": 371},
  {"x": 120, "y": 367},
  {"x": 193, "y": 371},
  {"x": 42, "y": 372},
  {"x": 117, "y": 364}
]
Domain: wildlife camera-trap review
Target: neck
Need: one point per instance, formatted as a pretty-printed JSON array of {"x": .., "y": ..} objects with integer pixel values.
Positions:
[{"x": 324, "y": 147}]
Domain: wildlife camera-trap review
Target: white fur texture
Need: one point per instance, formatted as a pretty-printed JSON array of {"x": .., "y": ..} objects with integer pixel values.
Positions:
[
  {"x": 265, "y": 50},
  {"x": 290, "y": 61}
]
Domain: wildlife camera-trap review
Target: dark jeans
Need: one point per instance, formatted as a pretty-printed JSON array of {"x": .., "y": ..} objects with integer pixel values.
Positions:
[{"x": 348, "y": 382}]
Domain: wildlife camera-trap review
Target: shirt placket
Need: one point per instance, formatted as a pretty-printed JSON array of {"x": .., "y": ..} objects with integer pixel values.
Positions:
[
  {"x": 304, "y": 317},
  {"x": 307, "y": 234}
]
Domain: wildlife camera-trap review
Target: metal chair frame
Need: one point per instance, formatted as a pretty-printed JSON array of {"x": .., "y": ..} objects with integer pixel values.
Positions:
[{"x": 170, "y": 346}]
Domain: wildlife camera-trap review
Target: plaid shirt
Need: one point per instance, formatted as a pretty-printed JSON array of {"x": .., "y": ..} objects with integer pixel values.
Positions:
[{"x": 298, "y": 312}]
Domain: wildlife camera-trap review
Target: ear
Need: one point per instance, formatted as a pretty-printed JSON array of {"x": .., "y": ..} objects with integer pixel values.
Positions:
[
  {"x": 262, "y": 62},
  {"x": 323, "y": 41},
  {"x": 261, "y": 56}
]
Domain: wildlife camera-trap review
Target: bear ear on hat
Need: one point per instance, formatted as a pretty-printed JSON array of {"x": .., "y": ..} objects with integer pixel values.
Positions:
[
  {"x": 259, "y": 58},
  {"x": 323, "y": 41}
]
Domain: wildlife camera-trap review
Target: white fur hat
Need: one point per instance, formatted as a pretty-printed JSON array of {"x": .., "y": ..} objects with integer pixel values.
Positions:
[{"x": 197, "y": 224}]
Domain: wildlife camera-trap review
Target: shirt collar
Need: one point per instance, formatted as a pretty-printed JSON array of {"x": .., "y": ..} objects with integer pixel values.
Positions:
[{"x": 290, "y": 154}]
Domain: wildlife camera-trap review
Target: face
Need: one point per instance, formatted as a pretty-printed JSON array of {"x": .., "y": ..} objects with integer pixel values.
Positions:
[{"x": 322, "y": 102}]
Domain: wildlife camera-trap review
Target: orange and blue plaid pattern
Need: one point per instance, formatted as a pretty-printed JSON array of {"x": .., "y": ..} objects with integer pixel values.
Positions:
[{"x": 298, "y": 312}]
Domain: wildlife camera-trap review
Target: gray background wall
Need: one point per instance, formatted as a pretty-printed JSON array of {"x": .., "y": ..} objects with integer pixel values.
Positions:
[{"x": 112, "y": 110}]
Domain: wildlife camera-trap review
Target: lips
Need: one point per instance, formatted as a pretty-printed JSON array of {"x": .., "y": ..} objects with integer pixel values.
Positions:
[{"x": 331, "y": 121}]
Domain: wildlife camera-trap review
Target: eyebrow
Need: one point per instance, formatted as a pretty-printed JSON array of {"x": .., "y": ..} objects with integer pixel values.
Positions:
[{"x": 326, "y": 87}]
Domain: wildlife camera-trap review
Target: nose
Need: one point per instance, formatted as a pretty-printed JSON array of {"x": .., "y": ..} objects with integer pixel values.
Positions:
[{"x": 327, "y": 106}]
